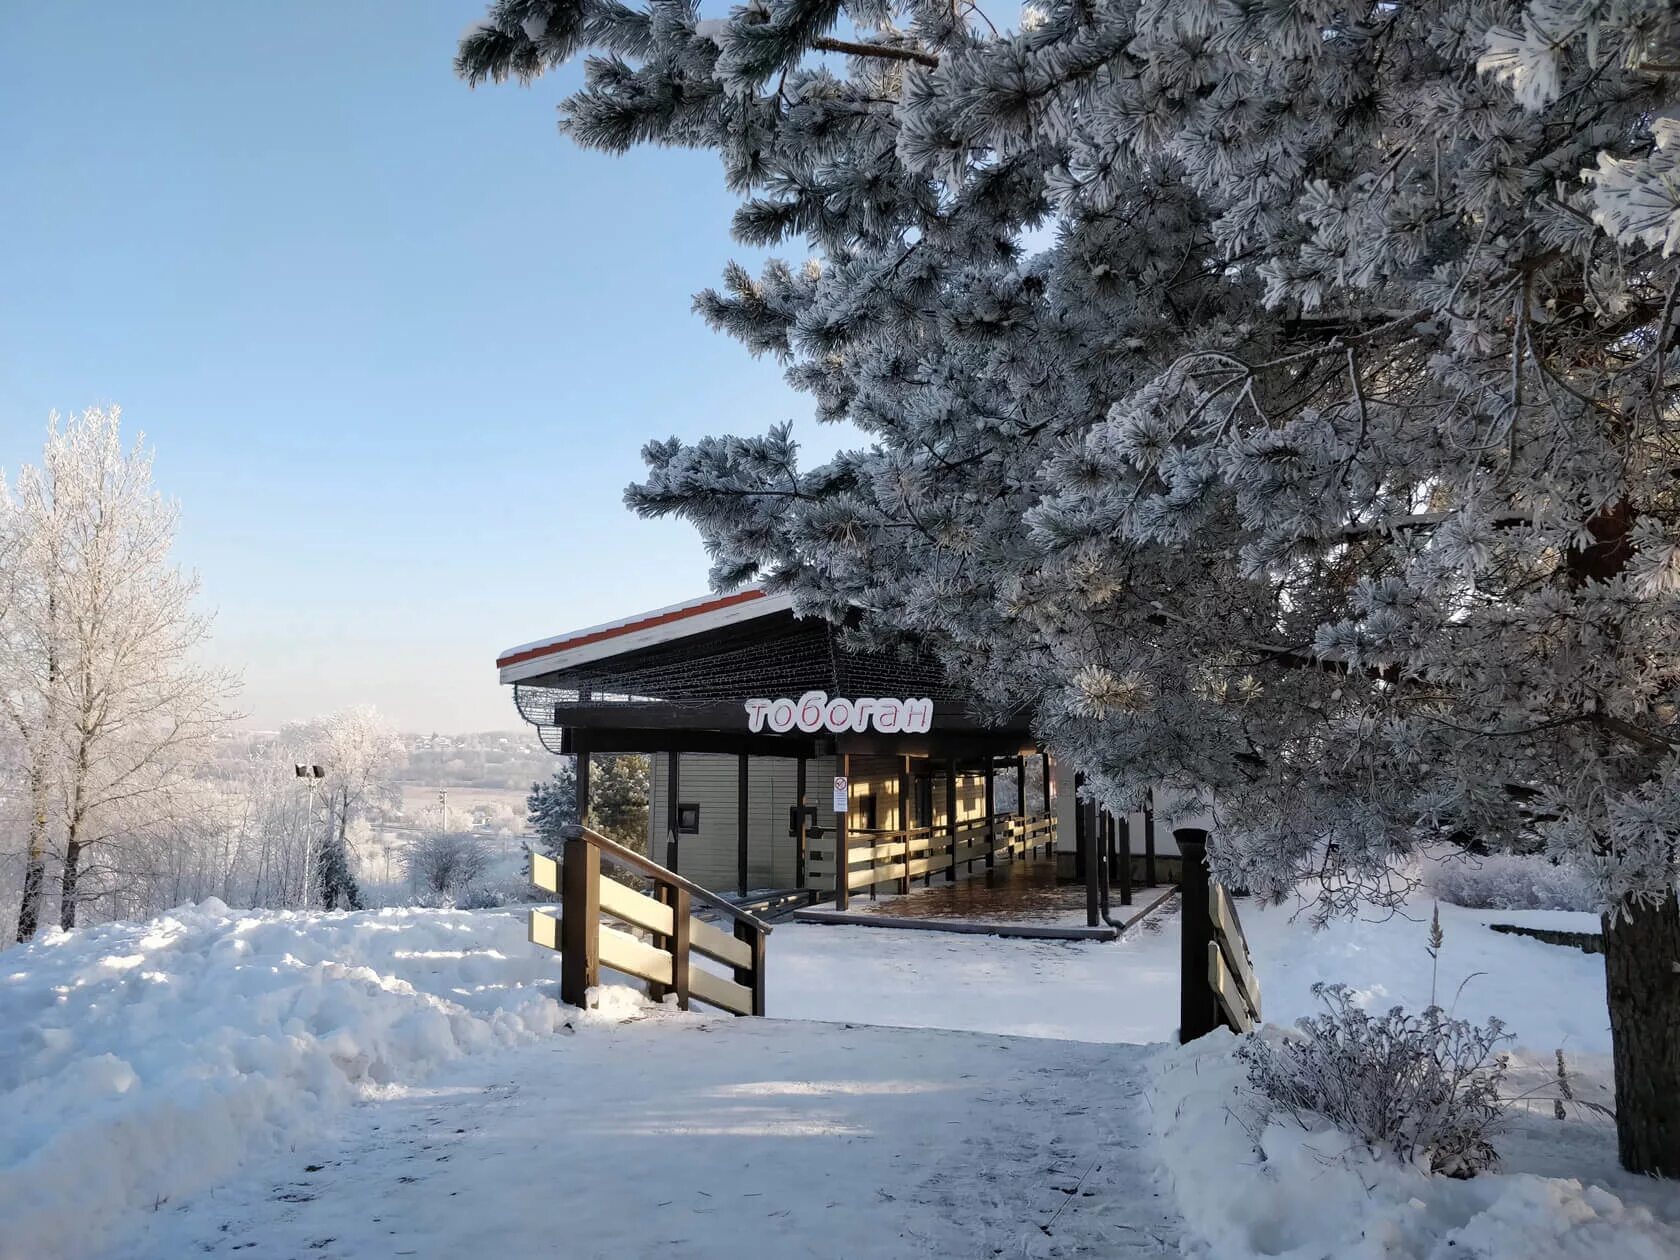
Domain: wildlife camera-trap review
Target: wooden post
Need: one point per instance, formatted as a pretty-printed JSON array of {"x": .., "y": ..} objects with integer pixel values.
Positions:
[
  {"x": 673, "y": 797},
  {"x": 1198, "y": 1007},
  {"x": 580, "y": 920},
  {"x": 681, "y": 930},
  {"x": 842, "y": 857},
  {"x": 951, "y": 819},
  {"x": 1149, "y": 840},
  {"x": 1123, "y": 830},
  {"x": 991, "y": 813},
  {"x": 741, "y": 824},
  {"x": 666, "y": 895},
  {"x": 1044, "y": 769},
  {"x": 752, "y": 977},
  {"x": 904, "y": 817},
  {"x": 799, "y": 827}
]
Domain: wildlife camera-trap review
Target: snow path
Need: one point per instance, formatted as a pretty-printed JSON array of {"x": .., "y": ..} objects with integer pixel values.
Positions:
[{"x": 697, "y": 1137}]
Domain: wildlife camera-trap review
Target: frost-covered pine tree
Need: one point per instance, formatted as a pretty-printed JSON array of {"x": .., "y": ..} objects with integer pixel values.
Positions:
[
  {"x": 551, "y": 807},
  {"x": 1278, "y": 398}
]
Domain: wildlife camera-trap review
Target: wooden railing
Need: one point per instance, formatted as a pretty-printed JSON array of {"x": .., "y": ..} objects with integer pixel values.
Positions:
[
  {"x": 1217, "y": 982},
  {"x": 1230, "y": 969},
  {"x": 881, "y": 860},
  {"x": 675, "y": 934}
]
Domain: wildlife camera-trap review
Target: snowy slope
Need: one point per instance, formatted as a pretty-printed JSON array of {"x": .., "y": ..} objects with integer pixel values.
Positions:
[
  {"x": 144, "y": 1064},
  {"x": 141, "y": 1062}
]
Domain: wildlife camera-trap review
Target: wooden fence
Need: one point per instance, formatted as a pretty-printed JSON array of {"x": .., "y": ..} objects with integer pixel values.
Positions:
[
  {"x": 1217, "y": 983},
  {"x": 887, "y": 861},
  {"x": 675, "y": 934}
]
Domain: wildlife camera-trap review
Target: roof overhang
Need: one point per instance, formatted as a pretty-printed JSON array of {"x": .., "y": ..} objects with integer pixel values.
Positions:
[{"x": 648, "y": 629}]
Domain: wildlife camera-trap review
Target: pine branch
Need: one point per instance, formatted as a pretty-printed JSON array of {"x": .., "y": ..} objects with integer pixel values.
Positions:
[{"x": 827, "y": 43}]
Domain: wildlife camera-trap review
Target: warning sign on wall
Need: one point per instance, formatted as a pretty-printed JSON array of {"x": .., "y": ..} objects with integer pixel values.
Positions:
[{"x": 840, "y": 795}]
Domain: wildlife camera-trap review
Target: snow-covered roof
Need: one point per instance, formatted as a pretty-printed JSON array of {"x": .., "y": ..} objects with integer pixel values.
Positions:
[{"x": 644, "y": 629}]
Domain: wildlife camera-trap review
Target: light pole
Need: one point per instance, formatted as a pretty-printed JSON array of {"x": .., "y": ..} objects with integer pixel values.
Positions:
[{"x": 314, "y": 774}]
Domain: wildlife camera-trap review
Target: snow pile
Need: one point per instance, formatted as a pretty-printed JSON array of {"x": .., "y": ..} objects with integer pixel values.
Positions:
[
  {"x": 1252, "y": 1186},
  {"x": 141, "y": 1062}
]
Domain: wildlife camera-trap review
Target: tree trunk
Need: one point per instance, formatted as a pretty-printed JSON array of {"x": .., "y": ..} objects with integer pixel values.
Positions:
[
  {"x": 1642, "y": 974},
  {"x": 34, "y": 886},
  {"x": 35, "y": 863},
  {"x": 67, "y": 896}
]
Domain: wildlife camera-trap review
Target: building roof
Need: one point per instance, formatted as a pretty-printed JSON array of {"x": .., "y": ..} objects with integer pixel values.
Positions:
[{"x": 639, "y": 630}]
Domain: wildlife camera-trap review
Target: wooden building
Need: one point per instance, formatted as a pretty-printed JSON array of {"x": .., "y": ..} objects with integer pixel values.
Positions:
[{"x": 781, "y": 757}]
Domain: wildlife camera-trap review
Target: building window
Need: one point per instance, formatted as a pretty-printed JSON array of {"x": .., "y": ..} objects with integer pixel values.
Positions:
[{"x": 688, "y": 820}]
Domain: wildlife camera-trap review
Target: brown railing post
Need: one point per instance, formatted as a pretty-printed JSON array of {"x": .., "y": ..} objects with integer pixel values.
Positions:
[
  {"x": 666, "y": 895},
  {"x": 680, "y": 911},
  {"x": 752, "y": 977},
  {"x": 580, "y": 919},
  {"x": 1198, "y": 1007}
]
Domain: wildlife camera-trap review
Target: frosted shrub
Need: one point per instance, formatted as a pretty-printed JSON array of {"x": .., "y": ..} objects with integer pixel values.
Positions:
[
  {"x": 442, "y": 863},
  {"x": 1423, "y": 1088},
  {"x": 1509, "y": 881}
]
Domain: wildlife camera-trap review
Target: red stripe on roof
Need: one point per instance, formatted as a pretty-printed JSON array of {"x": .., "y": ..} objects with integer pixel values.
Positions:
[{"x": 629, "y": 627}]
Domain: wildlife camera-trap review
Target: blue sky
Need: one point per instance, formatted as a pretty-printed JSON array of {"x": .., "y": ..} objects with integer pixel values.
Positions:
[{"x": 396, "y": 343}]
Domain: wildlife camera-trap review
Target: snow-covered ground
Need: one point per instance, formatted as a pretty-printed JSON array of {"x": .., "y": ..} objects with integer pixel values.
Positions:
[
  {"x": 401, "y": 1082},
  {"x": 706, "y": 1136},
  {"x": 1128, "y": 991}
]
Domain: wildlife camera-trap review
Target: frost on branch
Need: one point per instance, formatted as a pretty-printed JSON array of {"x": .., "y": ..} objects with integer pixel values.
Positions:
[{"x": 1266, "y": 397}]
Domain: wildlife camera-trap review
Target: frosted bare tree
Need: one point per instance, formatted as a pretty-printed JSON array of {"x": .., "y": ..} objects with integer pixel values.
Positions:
[
  {"x": 359, "y": 751},
  {"x": 97, "y": 668}
]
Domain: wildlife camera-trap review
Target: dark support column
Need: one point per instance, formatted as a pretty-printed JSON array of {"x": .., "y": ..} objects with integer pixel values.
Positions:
[
  {"x": 1090, "y": 849},
  {"x": 904, "y": 816},
  {"x": 1198, "y": 1008},
  {"x": 1044, "y": 771},
  {"x": 741, "y": 823},
  {"x": 1149, "y": 840},
  {"x": 582, "y": 768},
  {"x": 1123, "y": 831},
  {"x": 842, "y": 858},
  {"x": 799, "y": 828},
  {"x": 580, "y": 919},
  {"x": 673, "y": 795},
  {"x": 951, "y": 819},
  {"x": 924, "y": 788},
  {"x": 991, "y": 811},
  {"x": 1081, "y": 840}
]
